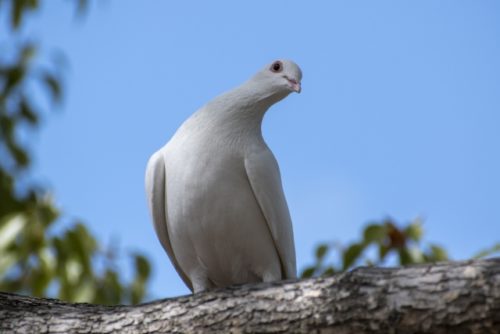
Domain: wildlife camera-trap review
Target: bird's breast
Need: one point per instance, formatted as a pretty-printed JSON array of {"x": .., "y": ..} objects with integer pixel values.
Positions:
[{"x": 211, "y": 208}]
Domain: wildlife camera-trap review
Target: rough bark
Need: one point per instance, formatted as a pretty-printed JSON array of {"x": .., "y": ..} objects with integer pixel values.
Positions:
[{"x": 452, "y": 297}]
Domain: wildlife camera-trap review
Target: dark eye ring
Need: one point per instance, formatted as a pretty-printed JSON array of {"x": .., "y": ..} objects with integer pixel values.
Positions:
[{"x": 277, "y": 66}]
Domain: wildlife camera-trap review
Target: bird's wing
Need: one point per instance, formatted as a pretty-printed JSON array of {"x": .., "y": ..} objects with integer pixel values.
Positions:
[
  {"x": 265, "y": 180},
  {"x": 157, "y": 195}
]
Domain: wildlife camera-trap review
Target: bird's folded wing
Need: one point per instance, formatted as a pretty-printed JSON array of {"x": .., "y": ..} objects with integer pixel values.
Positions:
[
  {"x": 265, "y": 180},
  {"x": 156, "y": 193}
]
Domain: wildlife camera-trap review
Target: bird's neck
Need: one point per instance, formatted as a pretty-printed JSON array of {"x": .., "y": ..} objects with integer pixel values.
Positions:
[{"x": 241, "y": 110}]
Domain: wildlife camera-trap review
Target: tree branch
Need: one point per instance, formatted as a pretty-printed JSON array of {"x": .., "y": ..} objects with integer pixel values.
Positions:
[{"x": 458, "y": 297}]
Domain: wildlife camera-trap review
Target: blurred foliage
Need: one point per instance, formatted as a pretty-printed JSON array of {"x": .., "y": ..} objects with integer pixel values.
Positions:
[
  {"x": 381, "y": 244},
  {"x": 37, "y": 257},
  {"x": 495, "y": 249}
]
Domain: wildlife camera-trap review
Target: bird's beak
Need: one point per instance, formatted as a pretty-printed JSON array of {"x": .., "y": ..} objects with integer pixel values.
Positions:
[
  {"x": 294, "y": 84},
  {"x": 296, "y": 87}
]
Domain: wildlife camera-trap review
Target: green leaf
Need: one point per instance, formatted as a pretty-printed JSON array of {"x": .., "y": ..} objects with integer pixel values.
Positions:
[
  {"x": 19, "y": 9},
  {"x": 40, "y": 278},
  {"x": 27, "y": 112},
  {"x": 20, "y": 155},
  {"x": 61, "y": 254},
  {"x": 416, "y": 255},
  {"x": 375, "y": 233},
  {"x": 85, "y": 292},
  {"x": 488, "y": 251},
  {"x": 328, "y": 272},
  {"x": 17, "y": 13},
  {"x": 142, "y": 266},
  {"x": 82, "y": 246},
  {"x": 321, "y": 251},
  {"x": 27, "y": 54},
  {"x": 54, "y": 86},
  {"x": 32, "y": 4},
  {"x": 112, "y": 288},
  {"x": 414, "y": 231},
  {"x": 73, "y": 271},
  {"x": 13, "y": 77},
  {"x": 10, "y": 227},
  {"x": 404, "y": 256},
  {"x": 351, "y": 255},
  {"x": 438, "y": 253},
  {"x": 7, "y": 260},
  {"x": 382, "y": 252},
  {"x": 308, "y": 272},
  {"x": 47, "y": 212},
  {"x": 47, "y": 259}
]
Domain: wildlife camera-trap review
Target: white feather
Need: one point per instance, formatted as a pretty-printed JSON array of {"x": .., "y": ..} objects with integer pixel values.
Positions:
[{"x": 215, "y": 190}]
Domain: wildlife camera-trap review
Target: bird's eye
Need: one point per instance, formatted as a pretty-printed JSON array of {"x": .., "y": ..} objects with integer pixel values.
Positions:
[{"x": 277, "y": 66}]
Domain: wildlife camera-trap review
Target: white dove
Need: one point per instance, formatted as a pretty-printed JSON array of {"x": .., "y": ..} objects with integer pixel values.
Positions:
[{"x": 214, "y": 190}]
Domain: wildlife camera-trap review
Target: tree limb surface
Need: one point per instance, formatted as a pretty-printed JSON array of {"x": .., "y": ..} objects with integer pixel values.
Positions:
[{"x": 449, "y": 297}]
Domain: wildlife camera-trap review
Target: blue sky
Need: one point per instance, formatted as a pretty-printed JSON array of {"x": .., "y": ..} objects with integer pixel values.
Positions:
[{"x": 399, "y": 113}]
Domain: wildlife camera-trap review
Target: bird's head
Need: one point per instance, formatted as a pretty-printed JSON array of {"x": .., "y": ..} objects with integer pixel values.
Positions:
[{"x": 281, "y": 76}]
